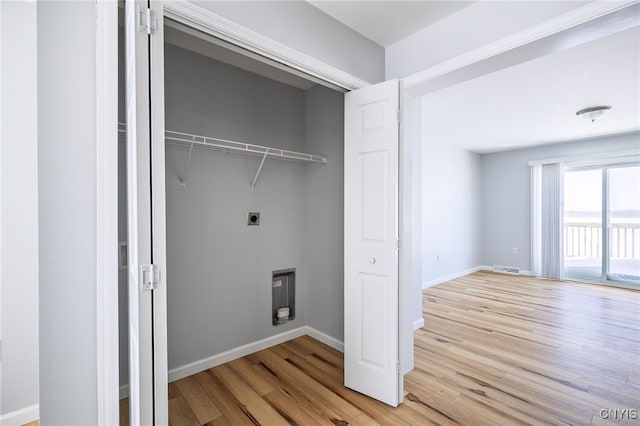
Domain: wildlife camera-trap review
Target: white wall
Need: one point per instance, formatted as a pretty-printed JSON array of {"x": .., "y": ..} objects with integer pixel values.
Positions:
[
  {"x": 452, "y": 197},
  {"x": 410, "y": 203},
  {"x": 466, "y": 30},
  {"x": 19, "y": 219},
  {"x": 305, "y": 28},
  {"x": 67, "y": 212},
  {"x": 506, "y": 193},
  {"x": 412, "y": 153}
]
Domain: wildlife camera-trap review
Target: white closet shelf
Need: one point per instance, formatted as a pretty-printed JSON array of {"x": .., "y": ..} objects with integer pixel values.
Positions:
[
  {"x": 190, "y": 140},
  {"x": 186, "y": 139}
]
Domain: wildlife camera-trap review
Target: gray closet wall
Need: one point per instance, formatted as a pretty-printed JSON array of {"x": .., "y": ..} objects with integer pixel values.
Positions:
[
  {"x": 218, "y": 268},
  {"x": 324, "y": 211}
]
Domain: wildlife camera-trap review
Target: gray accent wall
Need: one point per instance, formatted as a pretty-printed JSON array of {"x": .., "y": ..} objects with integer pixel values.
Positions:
[
  {"x": 219, "y": 269},
  {"x": 67, "y": 212},
  {"x": 123, "y": 293},
  {"x": 19, "y": 207},
  {"x": 452, "y": 199},
  {"x": 507, "y": 194},
  {"x": 324, "y": 211},
  {"x": 305, "y": 28}
]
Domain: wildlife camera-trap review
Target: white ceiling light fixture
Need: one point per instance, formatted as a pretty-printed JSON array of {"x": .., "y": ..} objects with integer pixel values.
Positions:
[{"x": 593, "y": 113}]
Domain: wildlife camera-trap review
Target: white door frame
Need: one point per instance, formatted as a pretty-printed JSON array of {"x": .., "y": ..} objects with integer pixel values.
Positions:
[
  {"x": 107, "y": 370},
  {"x": 197, "y": 17}
]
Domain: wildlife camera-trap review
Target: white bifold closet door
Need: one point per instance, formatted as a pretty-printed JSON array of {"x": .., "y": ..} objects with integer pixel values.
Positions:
[
  {"x": 371, "y": 337},
  {"x": 144, "y": 46}
]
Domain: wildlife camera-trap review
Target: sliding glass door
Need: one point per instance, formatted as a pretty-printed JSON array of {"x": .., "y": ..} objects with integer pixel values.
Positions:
[
  {"x": 583, "y": 225},
  {"x": 623, "y": 217},
  {"x": 601, "y": 234}
]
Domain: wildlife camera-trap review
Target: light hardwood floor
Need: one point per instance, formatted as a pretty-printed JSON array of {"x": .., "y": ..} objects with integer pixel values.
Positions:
[{"x": 495, "y": 350}]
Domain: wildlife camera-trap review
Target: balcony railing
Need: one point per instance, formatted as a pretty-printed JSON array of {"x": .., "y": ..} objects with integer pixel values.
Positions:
[{"x": 585, "y": 240}]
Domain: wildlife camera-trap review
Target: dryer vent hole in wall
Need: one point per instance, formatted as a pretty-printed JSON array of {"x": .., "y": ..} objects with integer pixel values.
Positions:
[{"x": 283, "y": 296}]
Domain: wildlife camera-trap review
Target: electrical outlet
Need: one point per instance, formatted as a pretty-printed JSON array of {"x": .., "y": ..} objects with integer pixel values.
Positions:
[
  {"x": 514, "y": 250},
  {"x": 253, "y": 219}
]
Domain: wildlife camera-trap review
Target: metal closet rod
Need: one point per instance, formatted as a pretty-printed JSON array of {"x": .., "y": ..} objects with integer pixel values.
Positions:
[{"x": 189, "y": 139}]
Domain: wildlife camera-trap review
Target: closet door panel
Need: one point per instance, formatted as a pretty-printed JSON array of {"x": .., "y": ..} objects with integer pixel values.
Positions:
[
  {"x": 371, "y": 242},
  {"x": 158, "y": 218},
  {"x": 146, "y": 287}
]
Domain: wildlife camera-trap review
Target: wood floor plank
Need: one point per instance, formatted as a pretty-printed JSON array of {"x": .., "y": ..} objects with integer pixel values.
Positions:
[
  {"x": 232, "y": 409},
  {"x": 219, "y": 421},
  {"x": 202, "y": 406},
  {"x": 243, "y": 368},
  {"x": 173, "y": 390},
  {"x": 443, "y": 407},
  {"x": 323, "y": 414},
  {"x": 323, "y": 351},
  {"x": 289, "y": 373},
  {"x": 180, "y": 414},
  {"x": 364, "y": 420},
  {"x": 283, "y": 402},
  {"x": 364, "y": 404},
  {"x": 124, "y": 412},
  {"x": 494, "y": 350},
  {"x": 258, "y": 407}
]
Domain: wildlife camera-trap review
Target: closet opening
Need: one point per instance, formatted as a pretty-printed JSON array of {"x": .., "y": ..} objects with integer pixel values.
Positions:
[{"x": 254, "y": 164}]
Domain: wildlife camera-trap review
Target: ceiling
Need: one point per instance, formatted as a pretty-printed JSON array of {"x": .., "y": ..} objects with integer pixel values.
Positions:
[
  {"x": 387, "y": 22},
  {"x": 529, "y": 104},
  {"x": 535, "y": 102}
]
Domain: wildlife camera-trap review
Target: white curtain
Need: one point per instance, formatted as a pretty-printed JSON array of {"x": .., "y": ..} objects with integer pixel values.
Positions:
[{"x": 546, "y": 220}]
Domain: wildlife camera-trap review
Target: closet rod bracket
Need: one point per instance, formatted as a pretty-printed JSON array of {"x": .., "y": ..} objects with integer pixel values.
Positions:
[
  {"x": 183, "y": 179},
  {"x": 255, "y": 179}
]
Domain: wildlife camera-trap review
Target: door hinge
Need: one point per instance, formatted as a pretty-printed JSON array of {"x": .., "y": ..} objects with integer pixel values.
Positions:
[
  {"x": 150, "y": 277},
  {"x": 398, "y": 368},
  {"x": 397, "y": 243},
  {"x": 398, "y": 115},
  {"x": 147, "y": 21}
]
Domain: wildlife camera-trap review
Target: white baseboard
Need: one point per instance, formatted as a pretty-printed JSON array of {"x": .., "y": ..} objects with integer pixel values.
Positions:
[
  {"x": 230, "y": 355},
  {"x": 417, "y": 324},
  {"x": 459, "y": 274},
  {"x": 450, "y": 277},
  {"x": 21, "y": 416},
  {"x": 124, "y": 391},
  {"x": 325, "y": 338}
]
